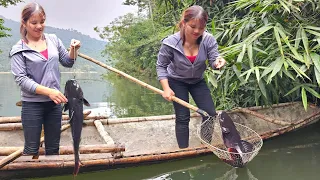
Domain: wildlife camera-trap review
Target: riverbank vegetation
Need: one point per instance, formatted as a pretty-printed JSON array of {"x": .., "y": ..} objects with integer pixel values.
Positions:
[{"x": 272, "y": 47}]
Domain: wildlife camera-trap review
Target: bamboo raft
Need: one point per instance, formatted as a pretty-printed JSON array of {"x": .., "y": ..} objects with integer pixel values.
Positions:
[{"x": 110, "y": 143}]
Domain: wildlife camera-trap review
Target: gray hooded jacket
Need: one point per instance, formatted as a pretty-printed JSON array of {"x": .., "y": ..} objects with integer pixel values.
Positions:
[
  {"x": 173, "y": 63},
  {"x": 30, "y": 68}
]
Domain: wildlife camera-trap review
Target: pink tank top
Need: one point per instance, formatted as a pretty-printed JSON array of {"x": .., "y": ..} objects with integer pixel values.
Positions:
[
  {"x": 192, "y": 58},
  {"x": 45, "y": 53}
]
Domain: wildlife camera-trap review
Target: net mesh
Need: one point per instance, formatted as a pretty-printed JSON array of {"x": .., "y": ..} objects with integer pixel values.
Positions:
[{"x": 210, "y": 134}]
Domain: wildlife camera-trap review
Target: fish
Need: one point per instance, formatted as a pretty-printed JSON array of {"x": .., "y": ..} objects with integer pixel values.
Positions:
[
  {"x": 232, "y": 140},
  {"x": 76, "y": 100}
]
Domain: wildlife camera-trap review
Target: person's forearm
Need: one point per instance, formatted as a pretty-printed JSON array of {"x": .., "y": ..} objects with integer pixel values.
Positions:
[
  {"x": 164, "y": 83},
  {"x": 43, "y": 90}
]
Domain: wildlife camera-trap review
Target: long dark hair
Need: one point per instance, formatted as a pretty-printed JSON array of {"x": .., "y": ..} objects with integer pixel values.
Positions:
[
  {"x": 26, "y": 13},
  {"x": 193, "y": 12}
]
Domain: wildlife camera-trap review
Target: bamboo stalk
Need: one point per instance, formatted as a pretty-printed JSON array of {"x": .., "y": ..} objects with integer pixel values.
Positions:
[
  {"x": 299, "y": 124},
  {"x": 17, "y": 119},
  {"x": 90, "y": 122},
  {"x": 261, "y": 116},
  {"x": 19, "y": 152},
  {"x": 67, "y": 150},
  {"x": 105, "y": 136},
  {"x": 110, "y": 161}
]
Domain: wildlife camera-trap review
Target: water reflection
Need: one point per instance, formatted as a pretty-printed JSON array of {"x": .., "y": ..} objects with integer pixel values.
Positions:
[{"x": 135, "y": 99}]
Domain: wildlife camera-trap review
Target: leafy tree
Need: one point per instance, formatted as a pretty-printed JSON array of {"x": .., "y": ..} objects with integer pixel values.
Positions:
[
  {"x": 133, "y": 43},
  {"x": 6, "y": 3}
]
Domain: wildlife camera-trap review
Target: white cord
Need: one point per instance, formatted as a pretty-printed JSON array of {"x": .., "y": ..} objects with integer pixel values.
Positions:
[{"x": 74, "y": 56}]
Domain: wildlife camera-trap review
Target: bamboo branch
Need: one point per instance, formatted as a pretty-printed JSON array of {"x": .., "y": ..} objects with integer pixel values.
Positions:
[
  {"x": 105, "y": 136},
  {"x": 261, "y": 116},
  {"x": 67, "y": 150},
  {"x": 88, "y": 121}
]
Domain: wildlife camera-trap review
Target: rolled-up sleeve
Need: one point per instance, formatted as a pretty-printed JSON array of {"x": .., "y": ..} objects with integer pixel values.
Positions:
[
  {"x": 19, "y": 71},
  {"x": 213, "y": 52},
  {"x": 64, "y": 57},
  {"x": 164, "y": 59}
]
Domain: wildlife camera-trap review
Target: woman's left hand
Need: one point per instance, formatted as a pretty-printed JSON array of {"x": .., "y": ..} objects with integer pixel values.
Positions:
[
  {"x": 75, "y": 44},
  {"x": 219, "y": 62}
]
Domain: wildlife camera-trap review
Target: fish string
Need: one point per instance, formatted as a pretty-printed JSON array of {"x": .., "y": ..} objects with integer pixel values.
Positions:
[{"x": 74, "y": 56}]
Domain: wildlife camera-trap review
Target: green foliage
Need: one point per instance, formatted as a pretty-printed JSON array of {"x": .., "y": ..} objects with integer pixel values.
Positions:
[
  {"x": 272, "y": 48},
  {"x": 133, "y": 43},
  {"x": 6, "y": 3},
  {"x": 4, "y": 30}
]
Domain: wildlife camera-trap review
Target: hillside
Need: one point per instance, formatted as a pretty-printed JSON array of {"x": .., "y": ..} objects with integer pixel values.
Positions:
[{"x": 90, "y": 46}]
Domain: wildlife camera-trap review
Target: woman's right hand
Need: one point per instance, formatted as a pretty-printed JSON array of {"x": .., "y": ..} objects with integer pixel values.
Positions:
[
  {"x": 167, "y": 94},
  {"x": 57, "y": 97}
]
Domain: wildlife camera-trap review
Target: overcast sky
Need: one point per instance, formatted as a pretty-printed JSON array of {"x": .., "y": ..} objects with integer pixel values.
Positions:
[{"x": 82, "y": 15}]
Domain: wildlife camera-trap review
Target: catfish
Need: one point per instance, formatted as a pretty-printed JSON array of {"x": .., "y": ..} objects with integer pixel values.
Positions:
[{"x": 74, "y": 94}]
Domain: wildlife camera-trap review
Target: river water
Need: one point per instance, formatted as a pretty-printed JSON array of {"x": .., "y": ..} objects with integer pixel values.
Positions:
[{"x": 293, "y": 156}]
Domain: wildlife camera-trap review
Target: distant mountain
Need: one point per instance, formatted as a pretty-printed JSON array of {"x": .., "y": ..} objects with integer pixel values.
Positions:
[{"x": 89, "y": 46}]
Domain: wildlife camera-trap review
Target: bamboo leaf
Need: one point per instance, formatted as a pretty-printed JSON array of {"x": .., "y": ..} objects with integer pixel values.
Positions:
[
  {"x": 313, "y": 27},
  {"x": 298, "y": 38},
  {"x": 293, "y": 50},
  {"x": 262, "y": 88},
  {"x": 288, "y": 73},
  {"x": 237, "y": 72},
  {"x": 276, "y": 68},
  {"x": 267, "y": 70},
  {"x": 305, "y": 41},
  {"x": 284, "y": 6},
  {"x": 304, "y": 98},
  {"x": 241, "y": 55},
  {"x": 293, "y": 90},
  {"x": 226, "y": 82},
  {"x": 212, "y": 80},
  {"x": 250, "y": 54},
  {"x": 316, "y": 60},
  {"x": 313, "y": 32},
  {"x": 213, "y": 30},
  {"x": 297, "y": 69},
  {"x": 313, "y": 92},
  {"x": 257, "y": 72},
  {"x": 276, "y": 33},
  {"x": 317, "y": 73}
]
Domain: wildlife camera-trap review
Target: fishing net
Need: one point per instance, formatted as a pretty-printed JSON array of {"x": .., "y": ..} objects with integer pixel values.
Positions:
[{"x": 210, "y": 134}]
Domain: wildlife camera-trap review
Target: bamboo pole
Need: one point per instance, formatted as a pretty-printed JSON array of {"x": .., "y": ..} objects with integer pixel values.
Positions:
[
  {"x": 19, "y": 152},
  {"x": 17, "y": 119},
  {"x": 261, "y": 116},
  {"x": 190, "y": 152},
  {"x": 67, "y": 150},
  {"x": 90, "y": 122},
  {"x": 105, "y": 136},
  {"x": 299, "y": 124}
]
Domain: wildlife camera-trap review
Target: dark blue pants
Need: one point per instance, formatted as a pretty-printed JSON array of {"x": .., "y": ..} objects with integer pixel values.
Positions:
[
  {"x": 201, "y": 96},
  {"x": 33, "y": 115}
]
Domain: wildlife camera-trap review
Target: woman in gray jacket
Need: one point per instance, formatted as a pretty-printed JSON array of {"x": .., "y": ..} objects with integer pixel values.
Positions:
[
  {"x": 35, "y": 66},
  {"x": 181, "y": 64}
]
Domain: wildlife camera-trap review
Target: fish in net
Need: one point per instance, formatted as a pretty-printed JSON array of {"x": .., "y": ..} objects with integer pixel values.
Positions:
[{"x": 233, "y": 143}]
